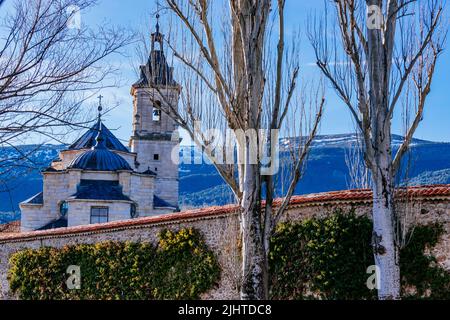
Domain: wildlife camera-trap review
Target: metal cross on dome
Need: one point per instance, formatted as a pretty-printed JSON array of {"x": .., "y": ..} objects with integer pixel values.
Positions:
[
  {"x": 100, "y": 108},
  {"x": 100, "y": 97}
]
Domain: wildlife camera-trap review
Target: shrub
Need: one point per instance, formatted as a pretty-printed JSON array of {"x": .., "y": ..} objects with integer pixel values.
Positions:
[
  {"x": 327, "y": 258},
  {"x": 179, "y": 267},
  {"x": 421, "y": 271}
]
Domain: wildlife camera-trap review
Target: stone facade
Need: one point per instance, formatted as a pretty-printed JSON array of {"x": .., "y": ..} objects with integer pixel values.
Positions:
[
  {"x": 220, "y": 227},
  {"x": 60, "y": 186},
  {"x": 147, "y": 176},
  {"x": 117, "y": 210},
  {"x": 166, "y": 185},
  {"x": 57, "y": 186},
  {"x": 155, "y": 138}
]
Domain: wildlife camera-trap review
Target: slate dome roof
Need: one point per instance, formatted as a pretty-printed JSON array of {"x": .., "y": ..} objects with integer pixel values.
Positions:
[
  {"x": 88, "y": 140},
  {"x": 100, "y": 158}
]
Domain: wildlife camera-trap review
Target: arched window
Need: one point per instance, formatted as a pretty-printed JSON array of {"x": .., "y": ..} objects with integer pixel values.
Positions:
[
  {"x": 63, "y": 209},
  {"x": 133, "y": 211}
]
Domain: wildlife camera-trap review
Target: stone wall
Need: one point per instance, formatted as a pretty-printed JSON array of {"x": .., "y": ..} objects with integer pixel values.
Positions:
[
  {"x": 66, "y": 157},
  {"x": 80, "y": 211},
  {"x": 420, "y": 212},
  {"x": 59, "y": 186},
  {"x": 154, "y": 142},
  {"x": 166, "y": 185},
  {"x": 220, "y": 232},
  {"x": 220, "y": 227},
  {"x": 142, "y": 189},
  {"x": 34, "y": 217},
  {"x": 143, "y": 107}
]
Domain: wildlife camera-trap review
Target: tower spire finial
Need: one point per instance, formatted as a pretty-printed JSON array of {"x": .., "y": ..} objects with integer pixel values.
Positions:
[
  {"x": 157, "y": 35},
  {"x": 157, "y": 22}
]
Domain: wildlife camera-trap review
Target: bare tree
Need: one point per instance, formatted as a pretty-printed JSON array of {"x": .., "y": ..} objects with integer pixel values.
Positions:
[
  {"x": 238, "y": 78},
  {"x": 48, "y": 68},
  {"x": 359, "y": 174},
  {"x": 387, "y": 54}
]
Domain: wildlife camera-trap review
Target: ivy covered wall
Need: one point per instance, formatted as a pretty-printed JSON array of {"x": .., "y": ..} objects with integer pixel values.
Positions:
[
  {"x": 181, "y": 266},
  {"x": 327, "y": 258},
  {"x": 220, "y": 233}
]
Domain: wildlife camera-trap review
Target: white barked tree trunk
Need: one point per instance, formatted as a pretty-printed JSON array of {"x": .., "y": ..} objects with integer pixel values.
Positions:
[
  {"x": 385, "y": 248},
  {"x": 385, "y": 50}
]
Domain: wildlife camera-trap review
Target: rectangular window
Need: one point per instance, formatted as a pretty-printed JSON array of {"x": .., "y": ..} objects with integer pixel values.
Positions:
[
  {"x": 156, "y": 157},
  {"x": 99, "y": 214}
]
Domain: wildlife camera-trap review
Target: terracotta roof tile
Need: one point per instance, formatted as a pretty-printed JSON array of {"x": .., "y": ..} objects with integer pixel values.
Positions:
[
  {"x": 208, "y": 212},
  {"x": 11, "y": 227}
]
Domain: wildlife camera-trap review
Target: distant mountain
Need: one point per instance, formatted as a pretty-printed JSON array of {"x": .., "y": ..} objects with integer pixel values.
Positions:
[
  {"x": 326, "y": 170},
  {"x": 20, "y": 173},
  {"x": 201, "y": 185},
  {"x": 6, "y": 217},
  {"x": 431, "y": 177}
]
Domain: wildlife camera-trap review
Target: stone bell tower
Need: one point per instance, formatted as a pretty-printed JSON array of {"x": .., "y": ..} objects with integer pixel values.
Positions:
[{"x": 155, "y": 135}]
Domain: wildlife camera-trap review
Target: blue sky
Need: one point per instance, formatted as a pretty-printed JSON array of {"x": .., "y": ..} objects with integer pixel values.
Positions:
[{"x": 136, "y": 14}]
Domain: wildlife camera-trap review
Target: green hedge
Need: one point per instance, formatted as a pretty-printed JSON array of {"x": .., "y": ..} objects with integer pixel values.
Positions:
[
  {"x": 179, "y": 267},
  {"x": 317, "y": 258},
  {"x": 327, "y": 258}
]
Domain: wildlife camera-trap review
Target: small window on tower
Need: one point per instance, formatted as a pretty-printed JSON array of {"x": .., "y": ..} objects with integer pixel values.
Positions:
[
  {"x": 156, "y": 114},
  {"x": 157, "y": 111},
  {"x": 156, "y": 157},
  {"x": 133, "y": 211},
  {"x": 63, "y": 209}
]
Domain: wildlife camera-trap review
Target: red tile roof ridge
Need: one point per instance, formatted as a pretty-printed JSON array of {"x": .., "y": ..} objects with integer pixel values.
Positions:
[
  {"x": 354, "y": 195},
  {"x": 10, "y": 227}
]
